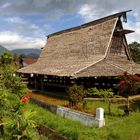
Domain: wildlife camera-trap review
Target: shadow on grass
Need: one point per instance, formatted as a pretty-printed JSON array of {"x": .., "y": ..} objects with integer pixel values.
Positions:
[
  {"x": 113, "y": 137},
  {"x": 115, "y": 115},
  {"x": 135, "y": 105}
]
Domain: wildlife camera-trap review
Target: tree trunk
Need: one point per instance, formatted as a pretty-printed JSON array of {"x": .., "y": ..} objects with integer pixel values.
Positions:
[
  {"x": 127, "y": 109},
  {"x": 1, "y": 128},
  {"x": 109, "y": 107},
  {"x": 128, "y": 104}
]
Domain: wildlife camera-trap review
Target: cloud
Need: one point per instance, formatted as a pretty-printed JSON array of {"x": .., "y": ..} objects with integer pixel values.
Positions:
[
  {"x": 97, "y": 9},
  {"x": 19, "y": 15},
  {"x": 136, "y": 28},
  {"x": 12, "y": 40},
  {"x": 90, "y": 12},
  {"x": 86, "y": 12},
  {"x": 51, "y": 8},
  {"x": 15, "y": 20},
  {"x": 20, "y": 25},
  {"x": 56, "y": 8},
  {"x": 6, "y": 5}
]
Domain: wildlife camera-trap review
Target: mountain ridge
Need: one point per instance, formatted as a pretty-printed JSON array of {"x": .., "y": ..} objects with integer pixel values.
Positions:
[
  {"x": 2, "y": 49},
  {"x": 31, "y": 52}
]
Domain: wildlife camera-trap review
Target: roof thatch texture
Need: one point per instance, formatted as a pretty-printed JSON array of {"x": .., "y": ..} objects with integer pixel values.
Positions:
[
  {"x": 110, "y": 68},
  {"x": 81, "y": 52}
]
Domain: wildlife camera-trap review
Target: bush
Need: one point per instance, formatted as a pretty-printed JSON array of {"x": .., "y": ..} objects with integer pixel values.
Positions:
[
  {"x": 12, "y": 82},
  {"x": 76, "y": 94},
  {"x": 129, "y": 85}
]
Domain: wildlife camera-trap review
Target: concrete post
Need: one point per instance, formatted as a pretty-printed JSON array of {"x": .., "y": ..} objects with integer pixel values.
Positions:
[{"x": 100, "y": 117}]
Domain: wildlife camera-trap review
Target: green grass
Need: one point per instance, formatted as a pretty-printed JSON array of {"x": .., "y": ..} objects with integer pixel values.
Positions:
[
  {"x": 116, "y": 109},
  {"x": 117, "y": 127}
]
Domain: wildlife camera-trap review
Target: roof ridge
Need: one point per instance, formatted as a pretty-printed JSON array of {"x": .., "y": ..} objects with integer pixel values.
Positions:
[
  {"x": 109, "y": 42},
  {"x": 106, "y": 52},
  {"x": 116, "y": 66},
  {"x": 98, "y": 62},
  {"x": 119, "y": 14},
  {"x": 89, "y": 65}
]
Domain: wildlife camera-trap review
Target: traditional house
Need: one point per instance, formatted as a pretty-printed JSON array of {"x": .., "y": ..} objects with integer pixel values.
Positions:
[{"x": 91, "y": 54}]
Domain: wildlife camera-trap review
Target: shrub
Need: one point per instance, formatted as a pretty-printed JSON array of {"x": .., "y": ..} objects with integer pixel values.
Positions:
[
  {"x": 12, "y": 82},
  {"x": 76, "y": 94},
  {"x": 6, "y": 58},
  {"x": 128, "y": 85}
]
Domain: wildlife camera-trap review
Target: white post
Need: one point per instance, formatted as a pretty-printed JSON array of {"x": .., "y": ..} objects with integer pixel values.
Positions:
[{"x": 100, "y": 117}]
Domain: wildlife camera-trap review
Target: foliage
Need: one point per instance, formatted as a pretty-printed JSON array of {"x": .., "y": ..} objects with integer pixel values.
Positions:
[
  {"x": 106, "y": 95},
  {"x": 9, "y": 80},
  {"x": 76, "y": 94},
  {"x": 2, "y": 98},
  {"x": 18, "y": 123},
  {"x": 135, "y": 51},
  {"x": 6, "y": 58},
  {"x": 15, "y": 122},
  {"x": 20, "y": 59},
  {"x": 129, "y": 85},
  {"x": 12, "y": 82},
  {"x": 15, "y": 57}
]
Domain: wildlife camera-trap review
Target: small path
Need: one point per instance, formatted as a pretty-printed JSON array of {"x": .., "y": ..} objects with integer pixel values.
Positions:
[{"x": 46, "y": 98}]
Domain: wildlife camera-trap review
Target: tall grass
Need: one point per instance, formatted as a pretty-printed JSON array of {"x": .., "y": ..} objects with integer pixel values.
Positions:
[{"x": 117, "y": 128}]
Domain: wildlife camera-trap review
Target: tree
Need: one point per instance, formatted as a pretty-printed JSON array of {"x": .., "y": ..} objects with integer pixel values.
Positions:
[
  {"x": 129, "y": 85},
  {"x": 135, "y": 51},
  {"x": 15, "y": 56},
  {"x": 76, "y": 94},
  {"x": 106, "y": 95},
  {"x": 11, "y": 81},
  {"x": 21, "y": 59},
  {"x": 6, "y": 58}
]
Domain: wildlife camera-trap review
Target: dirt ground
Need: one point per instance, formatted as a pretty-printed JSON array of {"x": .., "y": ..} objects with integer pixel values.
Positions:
[{"x": 46, "y": 98}]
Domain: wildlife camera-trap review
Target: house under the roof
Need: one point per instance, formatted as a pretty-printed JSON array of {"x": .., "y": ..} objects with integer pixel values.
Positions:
[{"x": 89, "y": 51}]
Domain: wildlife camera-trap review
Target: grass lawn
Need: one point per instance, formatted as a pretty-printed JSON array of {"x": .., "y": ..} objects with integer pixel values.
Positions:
[
  {"x": 116, "y": 109},
  {"x": 117, "y": 127}
]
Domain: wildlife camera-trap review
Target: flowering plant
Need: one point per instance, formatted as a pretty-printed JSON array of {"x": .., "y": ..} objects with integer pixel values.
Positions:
[{"x": 25, "y": 99}]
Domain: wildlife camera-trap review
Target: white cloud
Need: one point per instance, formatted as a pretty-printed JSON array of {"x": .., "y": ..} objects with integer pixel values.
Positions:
[
  {"x": 6, "y": 5},
  {"x": 136, "y": 35},
  {"x": 90, "y": 12},
  {"x": 54, "y": 9},
  {"x": 12, "y": 40},
  {"x": 87, "y": 12},
  {"x": 15, "y": 20},
  {"x": 20, "y": 24}
]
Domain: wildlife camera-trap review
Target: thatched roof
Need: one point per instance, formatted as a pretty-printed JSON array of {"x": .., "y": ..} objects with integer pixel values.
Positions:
[{"x": 86, "y": 50}]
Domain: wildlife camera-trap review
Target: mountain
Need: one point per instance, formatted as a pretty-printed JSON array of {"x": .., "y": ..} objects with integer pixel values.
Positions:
[
  {"x": 31, "y": 53},
  {"x": 2, "y": 49}
]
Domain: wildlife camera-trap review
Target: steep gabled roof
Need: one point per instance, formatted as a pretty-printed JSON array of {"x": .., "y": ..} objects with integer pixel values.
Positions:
[{"x": 73, "y": 51}]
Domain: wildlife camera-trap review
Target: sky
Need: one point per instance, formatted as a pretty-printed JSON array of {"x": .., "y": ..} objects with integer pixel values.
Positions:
[{"x": 26, "y": 23}]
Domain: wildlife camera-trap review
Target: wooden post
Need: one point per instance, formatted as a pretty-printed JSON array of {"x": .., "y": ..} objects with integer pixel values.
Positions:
[
  {"x": 42, "y": 83},
  {"x": 35, "y": 81}
]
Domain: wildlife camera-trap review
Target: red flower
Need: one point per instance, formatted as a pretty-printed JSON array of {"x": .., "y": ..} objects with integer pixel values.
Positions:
[{"x": 25, "y": 99}]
